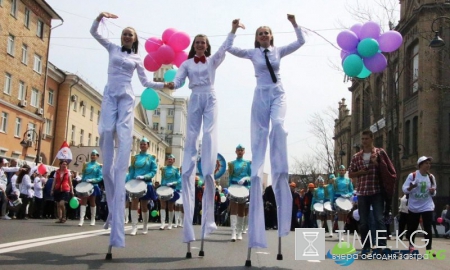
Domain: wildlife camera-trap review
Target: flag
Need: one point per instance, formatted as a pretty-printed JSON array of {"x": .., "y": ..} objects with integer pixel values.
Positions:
[{"x": 64, "y": 153}]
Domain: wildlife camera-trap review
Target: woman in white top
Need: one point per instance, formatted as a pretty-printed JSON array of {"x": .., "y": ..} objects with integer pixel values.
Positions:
[
  {"x": 421, "y": 187},
  {"x": 39, "y": 182},
  {"x": 117, "y": 119},
  {"x": 24, "y": 182},
  {"x": 269, "y": 107}
]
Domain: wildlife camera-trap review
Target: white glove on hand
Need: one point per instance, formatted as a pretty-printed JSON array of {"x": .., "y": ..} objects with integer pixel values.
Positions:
[
  {"x": 140, "y": 177},
  {"x": 169, "y": 184},
  {"x": 241, "y": 182},
  {"x": 89, "y": 180}
]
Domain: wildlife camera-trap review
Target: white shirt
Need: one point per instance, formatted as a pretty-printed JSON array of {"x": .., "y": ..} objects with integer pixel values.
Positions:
[
  {"x": 14, "y": 187},
  {"x": 25, "y": 186},
  {"x": 7, "y": 169},
  {"x": 420, "y": 199},
  {"x": 257, "y": 56},
  {"x": 38, "y": 187}
]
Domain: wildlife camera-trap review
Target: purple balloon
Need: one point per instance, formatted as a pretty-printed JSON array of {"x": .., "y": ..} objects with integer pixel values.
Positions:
[
  {"x": 376, "y": 63},
  {"x": 347, "y": 40},
  {"x": 356, "y": 28},
  {"x": 390, "y": 41},
  {"x": 370, "y": 30}
]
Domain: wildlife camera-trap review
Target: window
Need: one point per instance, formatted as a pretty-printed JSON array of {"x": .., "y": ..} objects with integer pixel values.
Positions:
[
  {"x": 413, "y": 69},
  {"x": 83, "y": 108},
  {"x": 37, "y": 64},
  {"x": 98, "y": 117},
  {"x": 415, "y": 133},
  {"x": 48, "y": 126},
  {"x": 21, "y": 91},
  {"x": 75, "y": 104},
  {"x": 89, "y": 139},
  {"x": 81, "y": 136},
  {"x": 13, "y": 10},
  {"x": 96, "y": 141},
  {"x": 4, "y": 122},
  {"x": 407, "y": 133},
  {"x": 155, "y": 126},
  {"x": 18, "y": 127},
  {"x": 72, "y": 135},
  {"x": 91, "y": 116},
  {"x": 35, "y": 98},
  {"x": 168, "y": 140},
  {"x": 10, "y": 46},
  {"x": 27, "y": 18},
  {"x": 157, "y": 112},
  {"x": 8, "y": 81},
  {"x": 31, "y": 135},
  {"x": 40, "y": 29},
  {"x": 171, "y": 112},
  {"x": 51, "y": 97},
  {"x": 170, "y": 127},
  {"x": 24, "y": 54}
]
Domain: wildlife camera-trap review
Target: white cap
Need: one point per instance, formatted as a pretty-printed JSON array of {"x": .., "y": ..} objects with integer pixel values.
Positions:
[{"x": 423, "y": 158}]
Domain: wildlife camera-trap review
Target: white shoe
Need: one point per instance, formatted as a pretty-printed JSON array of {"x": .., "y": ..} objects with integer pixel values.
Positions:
[
  {"x": 169, "y": 227},
  {"x": 81, "y": 222},
  {"x": 93, "y": 213},
  {"x": 145, "y": 229},
  {"x": 239, "y": 236},
  {"x": 162, "y": 227},
  {"x": 6, "y": 217},
  {"x": 133, "y": 229}
]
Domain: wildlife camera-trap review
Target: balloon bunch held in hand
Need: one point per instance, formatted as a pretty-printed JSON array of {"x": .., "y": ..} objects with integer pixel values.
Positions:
[
  {"x": 363, "y": 46},
  {"x": 168, "y": 50}
]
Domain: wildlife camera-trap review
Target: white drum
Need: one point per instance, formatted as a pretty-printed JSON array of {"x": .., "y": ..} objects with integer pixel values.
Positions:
[
  {"x": 318, "y": 207},
  {"x": 136, "y": 188},
  {"x": 180, "y": 200},
  {"x": 165, "y": 193},
  {"x": 238, "y": 193},
  {"x": 84, "y": 189},
  {"x": 343, "y": 204},
  {"x": 327, "y": 206}
]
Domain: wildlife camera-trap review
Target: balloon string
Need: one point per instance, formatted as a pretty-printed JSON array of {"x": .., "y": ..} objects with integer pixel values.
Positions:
[{"x": 312, "y": 31}]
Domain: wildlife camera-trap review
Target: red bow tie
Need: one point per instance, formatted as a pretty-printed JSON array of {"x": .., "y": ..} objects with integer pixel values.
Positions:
[{"x": 200, "y": 59}]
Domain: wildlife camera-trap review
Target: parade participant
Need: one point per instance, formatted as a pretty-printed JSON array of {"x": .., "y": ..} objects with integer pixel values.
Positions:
[
  {"x": 62, "y": 189},
  {"x": 269, "y": 107},
  {"x": 237, "y": 170},
  {"x": 342, "y": 187},
  {"x": 170, "y": 176},
  {"x": 320, "y": 195},
  {"x": 24, "y": 183},
  {"x": 330, "y": 214},
  {"x": 92, "y": 173},
  {"x": 296, "y": 206},
  {"x": 179, "y": 211},
  {"x": 3, "y": 171},
  {"x": 200, "y": 68},
  {"x": 143, "y": 167},
  {"x": 116, "y": 120},
  {"x": 307, "y": 203},
  {"x": 421, "y": 187}
]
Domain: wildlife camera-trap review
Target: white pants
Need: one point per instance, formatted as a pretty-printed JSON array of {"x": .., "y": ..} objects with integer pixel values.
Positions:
[
  {"x": 269, "y": 106},
  {"x": 202, "y": 106},
  {"x": 116, "y": 121}
]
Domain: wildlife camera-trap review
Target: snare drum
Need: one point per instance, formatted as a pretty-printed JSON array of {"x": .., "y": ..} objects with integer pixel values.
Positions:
[
  {"x": 165, "y": 193},
  {"x": 318, "y": 207},
  {"x": 84, "y": 189},
  {"x": 343, "y": 204},
  {"x": 238, "y": 193},
  {"x": 327, "y": 206},
  {"x": 136, "y": 188}
]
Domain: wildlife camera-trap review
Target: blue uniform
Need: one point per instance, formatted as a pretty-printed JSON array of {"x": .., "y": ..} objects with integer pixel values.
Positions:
[
  {"x": 93, "y": 170},
  {"x": 239, "y": 169},
  {"x": 171, "y": 175},
  {"x": 321, "y": 194},
  {"x": 342, "y": 186},
  {"x": 143, "y": 164}
]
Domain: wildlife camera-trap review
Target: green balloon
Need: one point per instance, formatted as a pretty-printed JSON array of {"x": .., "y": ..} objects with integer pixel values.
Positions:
[
  {"x": 74, "y": 203},
  {"x": 150, "y": 99},
  {"x": 169, "y": 76},
  {"x": 368, "y": 47},
  {"x": 364, "y": 73},
  {"x": 353, "y": 65},
  {"x": 154, "y": 213},
  {"x": 222, "y": 195}
]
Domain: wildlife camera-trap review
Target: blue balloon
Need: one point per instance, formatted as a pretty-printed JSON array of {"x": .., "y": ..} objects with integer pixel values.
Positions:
[
  {"x": 368, "y": 47},
  {"x": 364, "y": 73},
  {"x": 150, "y": 99},
  {"x": 353, "y": 65},
  {"x": 299, "y": 214},
  {"x": 169, "y": 76}
]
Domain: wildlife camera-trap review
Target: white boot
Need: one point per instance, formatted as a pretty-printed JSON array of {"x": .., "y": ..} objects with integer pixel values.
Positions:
[
  {"x": 126, "y": 215},
  {"x": 239, "y": 227},
  {"x": 233, "y": 221},
  {"x": 245, "y": 224},
  {"x": 145, "y": 221},
  {"x": 319, "y": 223},
  {"x": 341, "y": 226},
  {"x": 162, "y": 214},
  {"x": 330, "y": 227},
  {"x": 134, "y": 221},
  {"x": 93, "y": 213},
  {"x": 181, "y": 219},
  {"x": 177, "y": 218},
  {"x": 82, "y": 214},
  {"x": 170, "y": 220}
]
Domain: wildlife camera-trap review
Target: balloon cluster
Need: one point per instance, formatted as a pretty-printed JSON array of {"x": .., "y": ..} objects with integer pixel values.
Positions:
[
  {"x": 168, "y": 50},
  {"x": 363, "y": 46}
]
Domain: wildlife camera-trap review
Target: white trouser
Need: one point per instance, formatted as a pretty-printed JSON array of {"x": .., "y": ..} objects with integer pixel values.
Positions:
[
  {"x": 269, "y": 107},
  {"x": 116, "y": 123},
  {"x": 201, "y": 106}
]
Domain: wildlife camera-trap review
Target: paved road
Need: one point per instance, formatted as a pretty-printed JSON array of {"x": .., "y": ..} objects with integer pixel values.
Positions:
[{"x": 42, "y": 244}]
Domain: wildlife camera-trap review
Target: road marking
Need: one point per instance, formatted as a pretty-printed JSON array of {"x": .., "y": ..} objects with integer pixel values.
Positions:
[
  {"x": 262, "y": 252},
  {"x": 315, "y": 261}
]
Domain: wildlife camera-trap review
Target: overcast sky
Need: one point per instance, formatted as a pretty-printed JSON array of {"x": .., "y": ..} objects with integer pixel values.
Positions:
[{"x": 310, "y": 81}]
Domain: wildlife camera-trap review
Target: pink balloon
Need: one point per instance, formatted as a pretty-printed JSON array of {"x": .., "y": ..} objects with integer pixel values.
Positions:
[
  {"x": 167, "y": 34},
  {"x": 347, "y": 40},
  {"x": 356, "y": 28},
  {"x": 151, "y": 62},
  {"x": 390, "y": 41},
  {"x": 180, "y": 57},
  {"x": 42, "y": 169},
  {"x": 369, "y": 30},
  {"x": 376, "y": 63},
  {"x": 152, "y": 44},
  {"x": 179, "y": 41},
  {"x": 439, "y": 220},
  {"x": 165, "y": 54}
]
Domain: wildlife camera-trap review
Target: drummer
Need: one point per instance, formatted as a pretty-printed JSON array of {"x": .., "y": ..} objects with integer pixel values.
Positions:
[
  {"x": 170, "y": 177},
  {"x": 342, "y": 187},
  {"x": 143, "y": 167},
  {"x": 92, "y": 173},
  {"x": 238, "y": 169},
  {"x": 321, "y": 195}
]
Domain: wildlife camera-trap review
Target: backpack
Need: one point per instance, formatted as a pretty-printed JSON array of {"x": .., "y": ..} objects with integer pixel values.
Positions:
[{"x": 414, "y": 178}]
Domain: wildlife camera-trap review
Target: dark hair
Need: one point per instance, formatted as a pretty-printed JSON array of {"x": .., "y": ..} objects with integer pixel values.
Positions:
[
  {"x": 257, "y": 44},
  {"x": 368, "y": 133},
  {"x": 61, "y": 162},
  {"x": 22, "y": 173},
  {"x": 135, "y": 45},
  {"x": 192, "y": 51}
]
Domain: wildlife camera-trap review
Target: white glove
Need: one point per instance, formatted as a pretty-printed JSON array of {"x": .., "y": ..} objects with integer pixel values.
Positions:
[
  {"x": 241, "y": 182},
  {"x": 140, "y": 177},
  {"x": 89, "y": 180},
  {"x": 169, "y": 184}
]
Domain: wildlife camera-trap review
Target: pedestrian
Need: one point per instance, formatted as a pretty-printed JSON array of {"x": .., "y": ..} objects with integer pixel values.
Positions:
[
  {"x": 49, "y": 203},
  {"x": 270, "y": 208},
  {"x": 269, "y": 108},
  {"x": 421, "y": 187},
  {"x": 116, "y": 120},
  {"x": 445, "y": 215},
  {"x": 62, "y": 190},
  {"x": 4, "y": 171},
  {"x": 25, "y": 185},
  {"x": 403, "y": 216},
  {"x": 39, "y": 183},
  {"x": 307, "y": 203}
]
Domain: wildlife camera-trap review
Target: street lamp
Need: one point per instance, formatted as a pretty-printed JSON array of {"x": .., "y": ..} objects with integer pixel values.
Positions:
[
  {"x": 404, "y": 150},
  {"x": 28, "y": 142},
  {"x": 437, "y": 42},
  {"x": 81, "y": 158}
]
